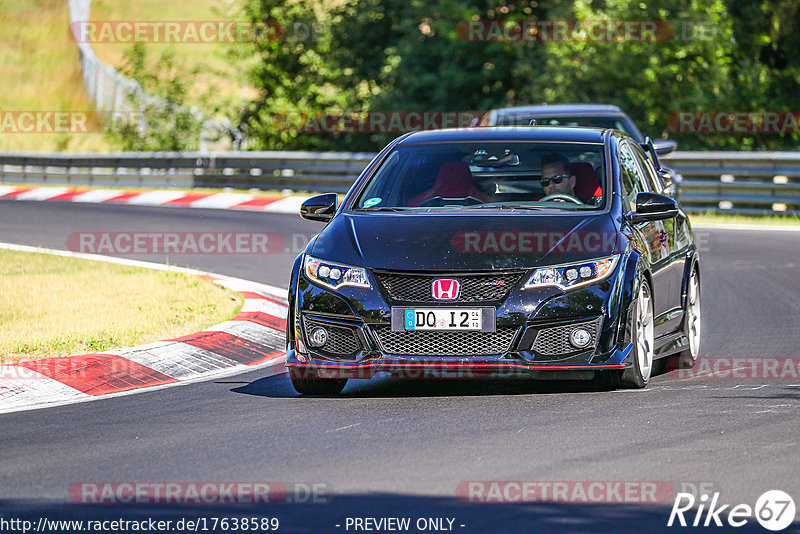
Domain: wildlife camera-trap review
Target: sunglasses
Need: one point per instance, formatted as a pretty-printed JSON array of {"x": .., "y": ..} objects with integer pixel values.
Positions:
[{"x": 555, "y": 179}]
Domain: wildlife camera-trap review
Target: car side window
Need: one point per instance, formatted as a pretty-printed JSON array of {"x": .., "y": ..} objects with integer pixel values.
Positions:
[
  {"x": 653, "y": 180},
  {"x": 632, "y": 183}
]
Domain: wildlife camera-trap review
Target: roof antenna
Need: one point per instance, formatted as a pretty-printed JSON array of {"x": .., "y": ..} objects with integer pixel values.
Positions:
[{"x": 532, "y": 123}]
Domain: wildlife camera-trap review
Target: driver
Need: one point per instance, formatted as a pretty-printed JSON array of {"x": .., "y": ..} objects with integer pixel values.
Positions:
[{"x": 557, "y": 175}]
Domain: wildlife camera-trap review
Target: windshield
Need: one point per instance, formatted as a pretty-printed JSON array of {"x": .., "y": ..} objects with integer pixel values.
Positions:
[
  {"x": 617, "y": 123},
  {"x": 477, "y": 175}
]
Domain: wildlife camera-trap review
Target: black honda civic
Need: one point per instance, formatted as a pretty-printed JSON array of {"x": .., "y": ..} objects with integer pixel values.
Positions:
[{"x": 539, "y": 252}]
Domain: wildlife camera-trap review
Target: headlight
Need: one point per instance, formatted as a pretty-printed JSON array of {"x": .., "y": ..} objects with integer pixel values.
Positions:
[
  {"x": 335, "y": 275},
  {"x": 573, "y": 275}
]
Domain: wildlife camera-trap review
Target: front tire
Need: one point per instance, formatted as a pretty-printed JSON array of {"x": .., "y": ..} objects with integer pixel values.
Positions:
[
  {"x": 313, "y": 385},
  {"x": 638, "y": 375}
]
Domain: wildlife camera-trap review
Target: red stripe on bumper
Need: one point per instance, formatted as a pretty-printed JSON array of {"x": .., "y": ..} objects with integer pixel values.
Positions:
[{"x": 498, "y": 365}]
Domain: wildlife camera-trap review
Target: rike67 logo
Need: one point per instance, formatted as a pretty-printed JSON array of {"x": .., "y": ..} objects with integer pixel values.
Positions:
[{"x": 774, "y": 510}]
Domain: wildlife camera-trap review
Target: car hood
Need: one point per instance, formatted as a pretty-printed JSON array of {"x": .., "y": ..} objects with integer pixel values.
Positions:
[{"x": 460, "y": 242}]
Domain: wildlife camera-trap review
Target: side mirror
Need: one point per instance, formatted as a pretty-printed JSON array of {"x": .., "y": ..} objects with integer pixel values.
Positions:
[
  {"x": 319, "y": 208},
  {"x": 665, "y": 146},
  {"x": 653, "y": 207}
]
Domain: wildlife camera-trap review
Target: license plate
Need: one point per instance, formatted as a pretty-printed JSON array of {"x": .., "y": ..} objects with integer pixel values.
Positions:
[{"x": 443, "y": 319}]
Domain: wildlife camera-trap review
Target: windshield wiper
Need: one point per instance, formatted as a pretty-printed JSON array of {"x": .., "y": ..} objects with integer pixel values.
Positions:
[
  {"x": 504, "y": 207},
  {"x": 382, "y": 208}
]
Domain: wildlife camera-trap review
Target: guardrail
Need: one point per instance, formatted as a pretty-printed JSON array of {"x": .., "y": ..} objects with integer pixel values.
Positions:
[
  {"x": 298, "y": 171},
  {"x": 738, "y": 182}
]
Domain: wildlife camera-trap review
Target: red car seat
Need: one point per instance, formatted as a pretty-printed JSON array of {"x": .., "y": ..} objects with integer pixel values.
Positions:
[
  {"x": 454, "y": 180},
  {"x": 587, "y": 185}
]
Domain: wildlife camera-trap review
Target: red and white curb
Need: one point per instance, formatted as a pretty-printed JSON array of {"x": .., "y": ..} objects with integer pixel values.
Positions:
[
  {"x": 254, "y": 339},
  {"x": 231, "y": 201},
  {"x": 236, "y": 201}
]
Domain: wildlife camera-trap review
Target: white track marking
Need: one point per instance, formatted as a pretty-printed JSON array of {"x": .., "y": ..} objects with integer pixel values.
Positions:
[
  {"x": 6, "y": 189},
  {"x": 22, "y": 387},
  {"x": 178, "y": 360},
  {"x": 97, "y": 196},
  {"x": 221, "y": 200},
  {"x": 259, "y": 334},
  {"x": 237, "y": 284},
  {"x": 154, "y": 198},
  {"x": 230, "y": 282},
  {"x": 285, "y": 205},
  {"x": 265, "y": 306},
  {"x": 42, "y": 193}
]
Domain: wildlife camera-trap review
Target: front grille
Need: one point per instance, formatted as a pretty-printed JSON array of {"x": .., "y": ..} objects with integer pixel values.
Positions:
[
  {"x": 342, "y": 340},
  {"x": 554, "y": 341},
  {"x": 426, "y": 343},
  {"x": 491, "y": 287}
]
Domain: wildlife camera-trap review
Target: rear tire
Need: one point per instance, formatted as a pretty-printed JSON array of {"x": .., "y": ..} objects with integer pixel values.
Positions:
[
  {"x": 638, "y": 375},
  {"x": 311, "y": 385},
  {"x": 686, "y": 359}
]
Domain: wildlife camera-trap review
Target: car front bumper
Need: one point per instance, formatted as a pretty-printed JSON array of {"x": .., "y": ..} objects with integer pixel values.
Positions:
[
  {"x": 510, "y": 365},
  {"x": 524, "y": 342}
]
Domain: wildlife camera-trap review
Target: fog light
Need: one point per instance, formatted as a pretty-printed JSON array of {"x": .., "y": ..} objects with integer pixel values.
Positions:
[
  {"x": 580, "y": 338},
  {"x": 318, "y": 337}
]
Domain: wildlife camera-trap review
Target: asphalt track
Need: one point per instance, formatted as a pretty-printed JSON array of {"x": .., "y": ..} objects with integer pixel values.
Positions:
[{"x": 401, "y": 448}]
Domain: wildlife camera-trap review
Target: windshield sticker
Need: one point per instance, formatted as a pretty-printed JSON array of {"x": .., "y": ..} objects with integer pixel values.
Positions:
[{"x": 372, "y": 201}]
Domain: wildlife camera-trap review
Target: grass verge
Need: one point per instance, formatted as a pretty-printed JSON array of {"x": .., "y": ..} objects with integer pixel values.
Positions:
[
  {"x": 52, "y": 306},
  {"x": 217, "y": 76},
  {"x": 41, "y": 71}
]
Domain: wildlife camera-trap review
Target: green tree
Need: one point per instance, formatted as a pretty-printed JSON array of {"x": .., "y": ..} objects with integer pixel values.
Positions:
[
  {"x": 710, "y": 55},
  {"x": 162, "y": 121}
]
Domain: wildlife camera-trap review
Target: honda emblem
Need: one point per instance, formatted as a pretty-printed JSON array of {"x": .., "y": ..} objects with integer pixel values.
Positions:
[{"x": 445, "y": 289}]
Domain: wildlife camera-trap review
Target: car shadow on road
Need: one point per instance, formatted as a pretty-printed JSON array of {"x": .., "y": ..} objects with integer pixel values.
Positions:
[{"x": 279, "y": 386}]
